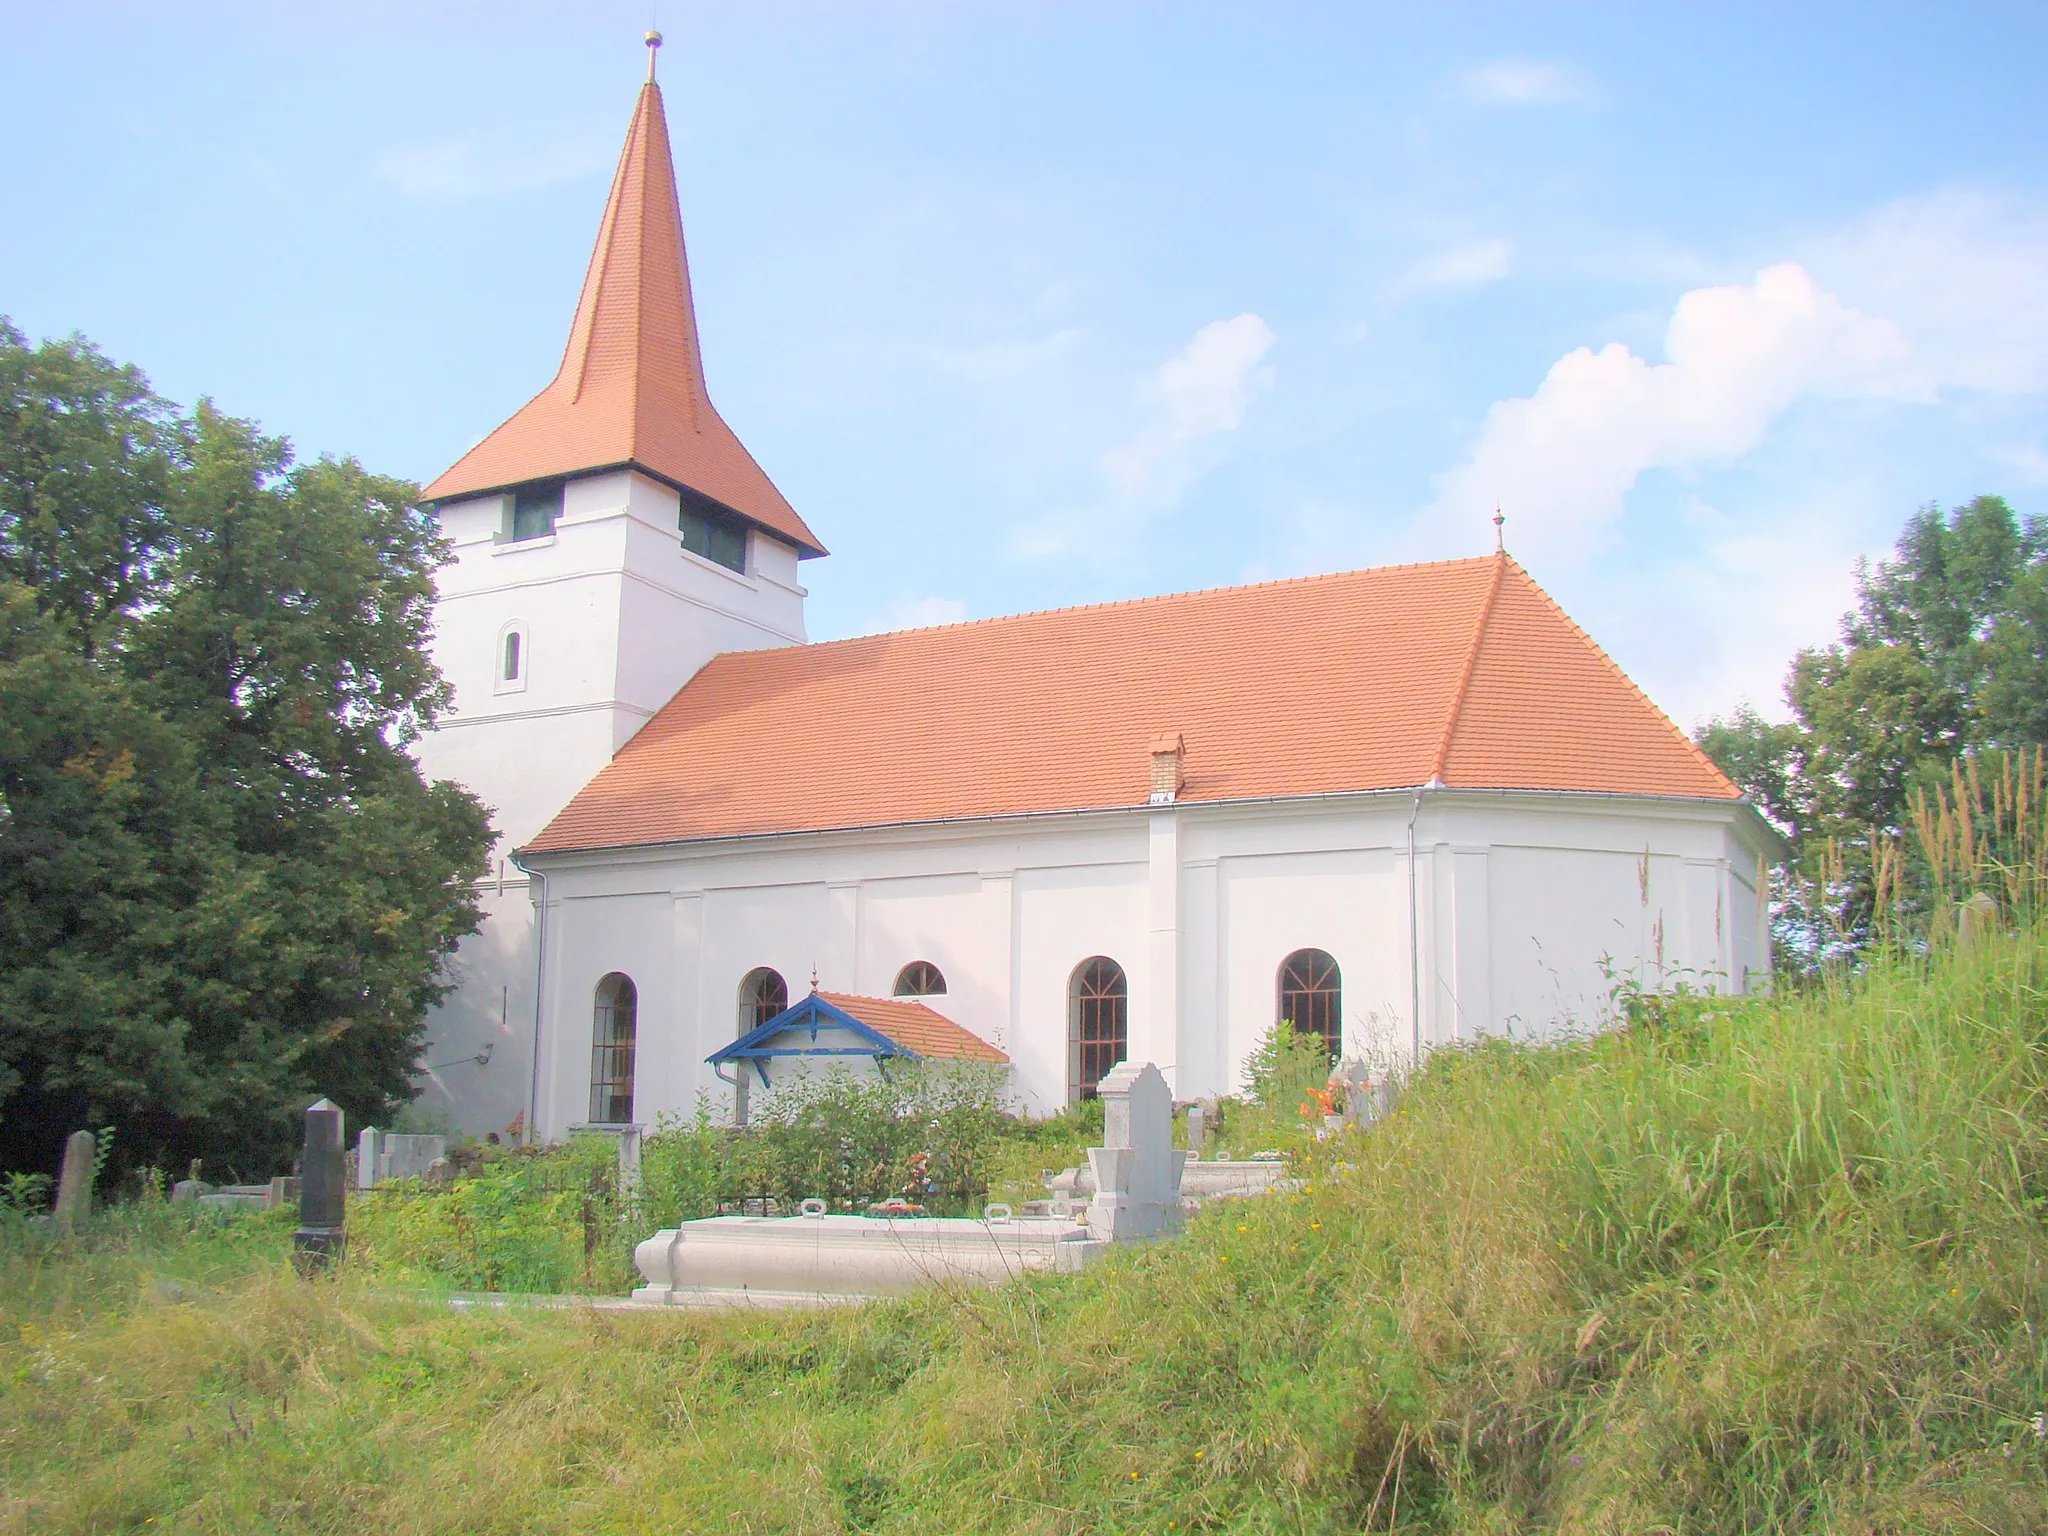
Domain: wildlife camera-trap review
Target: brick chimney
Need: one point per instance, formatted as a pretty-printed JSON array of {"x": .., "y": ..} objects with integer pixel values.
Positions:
[{"x": 1167, "y": 775}]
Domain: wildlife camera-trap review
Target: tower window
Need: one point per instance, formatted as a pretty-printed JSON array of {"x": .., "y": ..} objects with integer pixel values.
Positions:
[
  {"x": 709, "y": 530},
  {"x": 512, "y": 658},
  {"x": 535, "y": 509}
]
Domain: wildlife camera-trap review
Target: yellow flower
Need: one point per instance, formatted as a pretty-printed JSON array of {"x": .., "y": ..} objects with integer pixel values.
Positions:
[
  {"x": 1198, "y": 1455},
  {"x": 1244, "y": 1229},
  {"x": 1315, "y": 1226},
  {"x": 1134, "y": 1477}
]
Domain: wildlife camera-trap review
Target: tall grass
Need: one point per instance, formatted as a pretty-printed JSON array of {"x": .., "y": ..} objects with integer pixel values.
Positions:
[{"x": 1744, "y": 1266}]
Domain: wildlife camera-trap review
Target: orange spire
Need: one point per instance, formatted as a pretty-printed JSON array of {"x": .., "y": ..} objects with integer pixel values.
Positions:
[{"x": 631, "y": 386}]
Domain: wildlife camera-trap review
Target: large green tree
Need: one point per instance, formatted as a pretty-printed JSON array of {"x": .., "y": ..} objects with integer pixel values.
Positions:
[
  {"x": 224, "y": 886},
  {"x": 1944, "y": 656}
]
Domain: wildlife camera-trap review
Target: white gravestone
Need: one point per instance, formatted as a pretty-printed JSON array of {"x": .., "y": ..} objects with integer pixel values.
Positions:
[
  {"x": 366, "y": 1158},
  {"x": 1138, "y": 1169}
]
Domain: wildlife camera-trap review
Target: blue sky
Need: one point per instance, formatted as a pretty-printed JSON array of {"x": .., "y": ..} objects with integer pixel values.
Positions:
[{"x": 1026, "y": 305}]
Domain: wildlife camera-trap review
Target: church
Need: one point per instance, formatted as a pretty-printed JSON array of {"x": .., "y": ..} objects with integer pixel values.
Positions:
[{"x": 1398, "y": 808}]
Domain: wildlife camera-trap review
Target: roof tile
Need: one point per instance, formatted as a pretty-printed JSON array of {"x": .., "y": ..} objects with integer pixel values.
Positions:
[{"x": 1365, "y": 680}]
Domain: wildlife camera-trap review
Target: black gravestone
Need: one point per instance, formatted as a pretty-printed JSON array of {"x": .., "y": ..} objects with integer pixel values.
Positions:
[{"x": 318, "y": 1242}]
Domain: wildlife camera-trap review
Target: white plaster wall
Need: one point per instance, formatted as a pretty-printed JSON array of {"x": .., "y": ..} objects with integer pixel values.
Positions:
[{"x": 1516, "y": 900}]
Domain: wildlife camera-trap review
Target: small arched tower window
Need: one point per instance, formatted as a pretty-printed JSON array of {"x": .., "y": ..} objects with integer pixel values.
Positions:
[
  {"x": 920, "y": 978},
  {"x": 1098, "y": 1024},
  {"x": 614, "y": 1031},
  {"x": 763, "y": 994},
  {"x": 513, "y": 660},
  {"x": 1312, "y": 998}
]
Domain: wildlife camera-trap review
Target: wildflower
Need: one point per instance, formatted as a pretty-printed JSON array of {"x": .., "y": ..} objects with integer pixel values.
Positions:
[
  {"x": 1198, "y": 1455},
  {"x": 1134, "y": 1477},
  {"x": 1244, "y": 1229},
  {"x": 1315, "y": 1226}
]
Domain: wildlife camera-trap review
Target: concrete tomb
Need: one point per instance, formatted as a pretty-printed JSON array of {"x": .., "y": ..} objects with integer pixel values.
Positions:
[
  {"x": 407, "y": 1157},
  {"x": 815, "y": 1258}
]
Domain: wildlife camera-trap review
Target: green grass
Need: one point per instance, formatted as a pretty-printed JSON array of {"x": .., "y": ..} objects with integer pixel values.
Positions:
[{"x": 1745, "y": 1267}]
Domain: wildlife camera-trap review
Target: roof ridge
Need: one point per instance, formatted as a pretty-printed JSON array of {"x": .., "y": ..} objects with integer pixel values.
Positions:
[
  {"x": 1698, "y": 752},
  {"x": 1443, "y": 751},
  {"x": 1130, "y": 602}
]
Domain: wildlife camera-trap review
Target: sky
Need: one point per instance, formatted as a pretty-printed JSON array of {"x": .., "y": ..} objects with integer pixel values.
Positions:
[{"x": 1026, "y": 305}]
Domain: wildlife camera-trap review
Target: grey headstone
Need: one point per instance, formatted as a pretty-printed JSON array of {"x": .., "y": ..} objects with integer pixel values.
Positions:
[
  {"x": 1197, "y": 1125},
  {"x": 189, "y": 1189},
  {"x": 74, "y": 1183},
  {"x": 366, "y": 1158},
  {"x": 1138, "y": 1169},
  {"x": 1975, "y": 919},
  {"x": 322, "y": 1188},
  {"x": 408, "y": 1157}
]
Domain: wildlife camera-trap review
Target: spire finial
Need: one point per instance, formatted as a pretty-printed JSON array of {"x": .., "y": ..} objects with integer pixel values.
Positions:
[
  {"x": 1500, "y": 543},
  {"x": 653, "y": 49}
]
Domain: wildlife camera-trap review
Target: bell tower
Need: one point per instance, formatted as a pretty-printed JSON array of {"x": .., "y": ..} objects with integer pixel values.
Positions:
[{"x": 609, "y": 539}]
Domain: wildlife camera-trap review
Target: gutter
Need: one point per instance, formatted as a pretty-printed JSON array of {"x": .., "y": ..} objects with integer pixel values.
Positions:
[
  {"x": 1618, "y": 798},
  {"x": 1415, "y": 935}
]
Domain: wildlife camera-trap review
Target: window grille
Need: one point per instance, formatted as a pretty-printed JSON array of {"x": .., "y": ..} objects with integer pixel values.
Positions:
[
  {"x": 920, "y": 978},
  {"x": 614, "y": 1032},
  {"x": 1098, "y": 1034},
  {"x": 1312, "y": 998},
  {"x": 763, "y": 994}
]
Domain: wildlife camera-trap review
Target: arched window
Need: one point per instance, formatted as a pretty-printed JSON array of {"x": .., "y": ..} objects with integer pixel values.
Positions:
[
  {"x": 1098, "y": 1024},
  {"x": 920, "y": 978},
  {"x": 614, "y": 1030},
  {"x": 513, "y": 661},
  {"x": 1312, "y": 997},
  {"x": 763, "y": 994}
]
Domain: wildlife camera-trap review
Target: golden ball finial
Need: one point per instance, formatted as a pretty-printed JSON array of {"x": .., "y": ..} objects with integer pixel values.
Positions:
[{"x": 653, "y": 42}]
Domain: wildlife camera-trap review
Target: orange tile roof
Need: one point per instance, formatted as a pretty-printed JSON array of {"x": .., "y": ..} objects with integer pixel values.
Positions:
[
  {"x": 916, "y": 1027},
  {"x": 631, "y": 385},
  {"x": 1464, "y": 671}
]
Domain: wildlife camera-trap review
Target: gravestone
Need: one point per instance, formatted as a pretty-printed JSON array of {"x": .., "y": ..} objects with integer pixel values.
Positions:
[
  {"x": 322, "y": 1189},
  {"x": 366, "y": 1158},
  {"x": 408, "y": 1157},
  {"x": 1137, "y": 1169},
  {"x": 74, "y": 1183},
  {"x": 1197, "y": 1125},
  {"x": 188, "y": 1190}
]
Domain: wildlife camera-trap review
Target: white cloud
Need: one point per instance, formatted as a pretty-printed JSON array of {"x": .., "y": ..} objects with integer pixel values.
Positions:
[
  {"x": 1562, "y": 460},
  {"x": 916, "y": 613},
  {"x": 1193, "y": 398},
  {"x": 1520, "y": 83},
  {"x": 1961, "y": 273},
  {"x": 1202, "y": 391},
  {"x": 1461, "y": 266},
  {"x": 450, "y": 170}
]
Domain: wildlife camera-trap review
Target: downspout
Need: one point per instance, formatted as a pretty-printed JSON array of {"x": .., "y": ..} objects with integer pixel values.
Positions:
[
  {"x": 540, "y": 959},
  {"x": 1414, "y": 948}
]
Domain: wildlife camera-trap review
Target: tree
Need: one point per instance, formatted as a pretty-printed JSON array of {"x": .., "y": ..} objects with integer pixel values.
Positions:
[
  {"x": 225, "y": 888},
  {"x": 1944, "y": 657}
]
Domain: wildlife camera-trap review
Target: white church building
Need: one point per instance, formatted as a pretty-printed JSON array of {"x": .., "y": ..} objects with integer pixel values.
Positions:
[{"x": 1401, "y": 807}]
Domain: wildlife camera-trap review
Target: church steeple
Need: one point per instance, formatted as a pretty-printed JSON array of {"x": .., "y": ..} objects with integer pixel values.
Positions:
[{"x": 630, "y": 390}]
